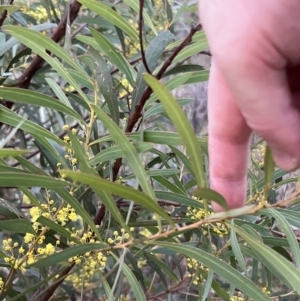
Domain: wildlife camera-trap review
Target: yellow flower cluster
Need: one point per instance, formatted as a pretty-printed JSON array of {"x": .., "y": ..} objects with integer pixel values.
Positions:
[
  {"x": 33, "y": 246},
  {"x": 197, "y": 214},
  {"x": 119, "y": 238},
  {"x": 258, "y": 197},
  {"x": 70, "y": 155},
  {"x": 239, "y": 297},
  {"x": 220, "y": 229},
  {"x": 66, "y": 214},
  {"x": 88, "y": 264},
  {"x": 1, "y": 284},
  {"x": 9, "y": 247},
  {"x": 266, "y": 291},
  {"x": 34, "y": 251},
  {"x": 39, "y": 13},
  {"x": 236, "y": 298},
  {"x": 258, "y": 154},
  {"x": 69, "y": 88},
  {"x": 61, "y": 214},
  {"x": 194, "y": 266}
]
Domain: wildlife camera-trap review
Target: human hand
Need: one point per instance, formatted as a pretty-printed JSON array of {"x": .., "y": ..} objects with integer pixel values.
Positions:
[{"x": 254, "y": 86}]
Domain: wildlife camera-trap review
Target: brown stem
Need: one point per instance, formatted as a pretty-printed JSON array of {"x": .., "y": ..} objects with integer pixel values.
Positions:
[
  {"x": 141, "y": 23},
  {"x": 4, "y": 13},
  {"x": 37, "y": 62},
  {"x": 58, "y": 34},
  {"x": 50, "y": 291},
  {"x": 136, "y": 114},
  {"x": 99, "y": 217}
]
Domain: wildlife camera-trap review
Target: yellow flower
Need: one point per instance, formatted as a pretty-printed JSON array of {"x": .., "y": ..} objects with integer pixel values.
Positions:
[
  {"x": 35, "y": 213},
  {"x": 49, "y": 249},
  {"x": 73, "y": 216},
  {"x": 30, "y": 259},
  {"x": 78, "y": 261},
  {"x": 28, "y": 238},
  {"x": 74, "y": 161},
  {"x": 26, "y": 199}
]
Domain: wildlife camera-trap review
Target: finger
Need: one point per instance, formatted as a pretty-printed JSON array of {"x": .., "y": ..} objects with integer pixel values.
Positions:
[
  {"x": 262, "y": 92},
  {"x": 228, "y": 143}
]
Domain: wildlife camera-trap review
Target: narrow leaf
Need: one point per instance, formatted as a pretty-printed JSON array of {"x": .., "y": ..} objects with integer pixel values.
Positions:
[
  {"x": 206, "y": 193},
  {"x": 18, "y": 179},
  {"x": 64, "y": 255},
  {"x": 37, "y": 99},
  {"x": 282, "y": 265},
  {"x": 121, "y": 190},
  {"x": 115, "y": 56},
  {"x": 12, "y": 119},
  {"x": 30, "y": 37},
  {"x": 128, "y": 150},
  {"x": 67, "y": 197},
  {"x": 219, "y": 267},
  {"x": 115, "y": 152},
  {"x": 134, "y": 284},
  {"x": 8, "y": 152},
  {"x": 290, "y": 235},
  {"x": 110, "y": 15},
  {"x": 17, "y": 226},
  {"x": 105, "y": 85},
  {"x": 182, "y": 125},
  {"x": 269, "y": 169},
  {"x": 56, "y": 227},
  {"x": 237, "y": 250}
]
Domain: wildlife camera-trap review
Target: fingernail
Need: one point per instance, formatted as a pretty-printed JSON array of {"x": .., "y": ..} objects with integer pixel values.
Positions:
[{"x": 285, "y": 161}]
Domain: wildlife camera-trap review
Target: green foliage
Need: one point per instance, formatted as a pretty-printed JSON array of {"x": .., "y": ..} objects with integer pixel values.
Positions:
[{"x": 103, "y": 183}]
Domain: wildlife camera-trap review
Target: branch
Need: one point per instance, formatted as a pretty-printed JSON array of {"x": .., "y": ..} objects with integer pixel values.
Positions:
[
  {"x": 59, "y": 33},
  {"x": 173, "y": 289},
  {"x": 136, "y": 114},
  {"x": 141, "y": 23},
  {"x": 50, "y": 291},
  {"x": 37, "y": 63},
  {"x": 4, "y": 13}
]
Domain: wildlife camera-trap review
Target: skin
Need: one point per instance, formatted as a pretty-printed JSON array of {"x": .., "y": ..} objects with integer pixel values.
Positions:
[{"x": 254, "y": 86}]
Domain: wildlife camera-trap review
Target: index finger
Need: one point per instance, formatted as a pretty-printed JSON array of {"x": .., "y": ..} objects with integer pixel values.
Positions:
[{"x": 229, "y": 137}]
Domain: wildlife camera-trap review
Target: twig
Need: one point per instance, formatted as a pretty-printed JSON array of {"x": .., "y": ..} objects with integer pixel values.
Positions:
[
  {"x": 141, "y": 23},
  {"x": 136, "y": 114},
  {"x": 4, "y": 13},
  {"x": 172, "y": 289},
  {"x": 99, "y": 217},
  {"x": 78, "y": 30},
  {"x": 50, "y": 291},
  {"x": 37, "y": 62},
  {"x": 282, "y": 234},
  {"x": 58, "y": 34}
]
